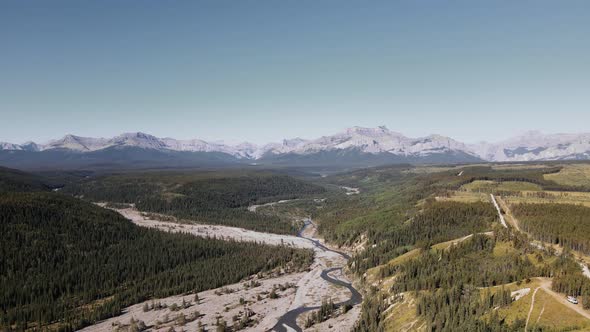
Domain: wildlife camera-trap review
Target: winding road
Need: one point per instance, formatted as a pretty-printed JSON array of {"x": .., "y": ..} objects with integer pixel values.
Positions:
[{"x": 288, "y": 322}]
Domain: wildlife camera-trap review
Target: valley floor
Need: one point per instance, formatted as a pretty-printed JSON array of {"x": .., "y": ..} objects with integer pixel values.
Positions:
[{"x": 294, "y": 290}]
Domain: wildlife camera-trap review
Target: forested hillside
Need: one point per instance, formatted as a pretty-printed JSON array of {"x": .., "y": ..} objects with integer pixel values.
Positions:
[
  {"x": 207, "y": 197},
  {"x": 15, "y": 180},
  {"x": 388, "y": 214},
  {"x": 69, "y": 263},
  {"x": 391, "y": 195},
  {"x": 438, "y": 222},
  {"x": 403, "y": 218},
  {"x": 469, "y": 263},
  {"x": 563, "y": 224},
  {"x": 448, "y": 284}
]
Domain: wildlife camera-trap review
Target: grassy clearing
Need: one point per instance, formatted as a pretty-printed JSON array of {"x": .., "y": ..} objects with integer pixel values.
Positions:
[
  {"x": 503, "y": 249},
  {"x": 518, "y": 167},
  {"x": 448, "y": 244},
  {"x": 518, "y": 309},
  {"x": 548, "y": 197},
  {"x": 571, "y": 175},
  {"x": 373, "y": 273},
  {"x": 556, "y": 315},
  {"x": 547, "y": 311},
  {"x": 518, "y": 192},
  {"x": 466, "y": 197},
  {"x": 522, "y": 192},
  {"x": 431, "y": 169},
  {"x": 401, "y": 316},
  {"x": 492, "y": 186},
  {"x": 405, "y": 257}
]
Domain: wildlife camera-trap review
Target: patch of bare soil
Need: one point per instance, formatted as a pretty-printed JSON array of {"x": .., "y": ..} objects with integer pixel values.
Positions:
[{"x": 220, "y": 304}]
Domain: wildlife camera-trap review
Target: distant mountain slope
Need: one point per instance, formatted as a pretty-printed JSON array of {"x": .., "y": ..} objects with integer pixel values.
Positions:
[
  {"x": 15, "y": 180},
  {"x": 535, "y": 145},
  {"x": 353, "y": 157},
  {"x": 112, "y": 157},
  {"x": 356, "y": 146},
  {"x": 210, "y": 197}
]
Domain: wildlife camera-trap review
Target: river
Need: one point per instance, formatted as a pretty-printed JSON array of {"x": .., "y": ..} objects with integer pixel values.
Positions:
[{"x": 288, "y": 322}]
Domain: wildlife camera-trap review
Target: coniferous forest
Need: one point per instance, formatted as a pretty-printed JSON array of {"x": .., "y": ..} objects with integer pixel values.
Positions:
[
  {"x": 438, "y": 222},
  {"x": 567, "y": 225},
  {"x": 206, "y": 197},
  {"x": 70, "y": 263}
]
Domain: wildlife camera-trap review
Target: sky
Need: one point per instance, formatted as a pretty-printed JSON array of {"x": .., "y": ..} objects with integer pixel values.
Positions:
[{"x": 262, "y": 71}]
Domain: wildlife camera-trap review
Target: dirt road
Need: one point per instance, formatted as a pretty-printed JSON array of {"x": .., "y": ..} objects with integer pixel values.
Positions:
[
  {"x": 502, "y": 221},
  {"x": 546, "y": 286}
]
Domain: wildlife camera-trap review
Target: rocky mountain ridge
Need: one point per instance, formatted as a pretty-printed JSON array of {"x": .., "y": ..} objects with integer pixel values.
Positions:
[{"x": 530, "y": 146}]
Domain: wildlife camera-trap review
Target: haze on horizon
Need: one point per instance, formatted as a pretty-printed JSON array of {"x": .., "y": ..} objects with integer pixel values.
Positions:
[{"x": 264, "y": 71}]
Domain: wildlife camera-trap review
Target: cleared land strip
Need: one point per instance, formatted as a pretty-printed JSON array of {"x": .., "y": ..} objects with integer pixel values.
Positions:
[
  {"x": 510, "y": 217},
  {"x": 502, "y": 221}
]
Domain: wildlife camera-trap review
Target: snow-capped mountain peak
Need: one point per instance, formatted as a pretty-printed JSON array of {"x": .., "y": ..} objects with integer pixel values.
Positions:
[
  {"x": 76, "y": 143},
  {"x": 535, "y": 145},
  {"x": 532, "y": 145},
  {"x": 369, "y": 132},
  {"x": 10, "y": 146},
  {"x": 137, "y": 139}
]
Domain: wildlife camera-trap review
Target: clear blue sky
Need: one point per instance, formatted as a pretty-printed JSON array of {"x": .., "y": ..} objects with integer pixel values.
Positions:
[{"x": 263, "y": 70}]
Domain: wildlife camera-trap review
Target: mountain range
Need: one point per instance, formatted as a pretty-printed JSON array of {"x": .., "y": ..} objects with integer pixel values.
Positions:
[{"x": 356, "y": 146}]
